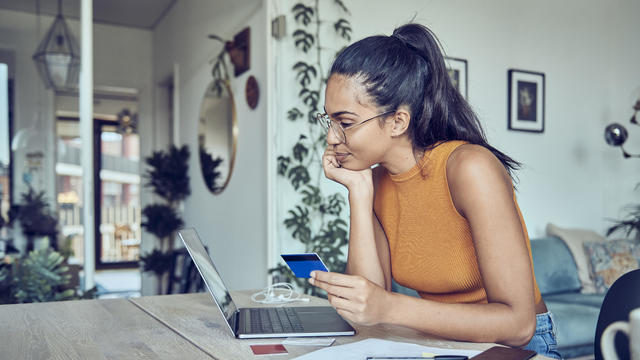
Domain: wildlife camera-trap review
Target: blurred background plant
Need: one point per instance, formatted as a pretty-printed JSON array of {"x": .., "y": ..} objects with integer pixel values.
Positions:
[
  {"x": 40, "y": 276},
  {"x": 168, "y": 176},
  {"x": 36, "y": 220},
  {"x": 631, "y": 223}
]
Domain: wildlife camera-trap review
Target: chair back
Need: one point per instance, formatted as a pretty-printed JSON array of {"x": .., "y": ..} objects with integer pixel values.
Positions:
[
  {"x": 622, "y": 297},
  {"x": 183, "y": 274}
]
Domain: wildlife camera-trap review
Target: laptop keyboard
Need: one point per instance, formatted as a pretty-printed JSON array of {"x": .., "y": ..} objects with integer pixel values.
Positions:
[{"x": 274, "y": 320}]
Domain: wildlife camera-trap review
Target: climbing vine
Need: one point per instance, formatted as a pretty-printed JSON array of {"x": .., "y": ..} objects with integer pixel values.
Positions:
[{"x": 316, "y": 219}]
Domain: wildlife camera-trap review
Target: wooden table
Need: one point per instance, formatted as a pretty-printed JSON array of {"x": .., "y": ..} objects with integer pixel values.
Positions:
[{"x": 185, "y": 326}]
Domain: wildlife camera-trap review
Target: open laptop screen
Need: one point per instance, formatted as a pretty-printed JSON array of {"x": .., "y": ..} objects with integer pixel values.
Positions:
[{"x": 209, "y": 273}]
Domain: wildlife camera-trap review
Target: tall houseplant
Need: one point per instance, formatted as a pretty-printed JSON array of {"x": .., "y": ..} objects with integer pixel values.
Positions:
[
  {"x": 168, "y": 176},
  {"x": 316, "y": 219}
]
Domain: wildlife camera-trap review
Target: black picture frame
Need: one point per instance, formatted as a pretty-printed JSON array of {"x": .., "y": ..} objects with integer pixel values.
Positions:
[
  {"x": 525, "y": 101},
  {"x": 459, "y": 74}
]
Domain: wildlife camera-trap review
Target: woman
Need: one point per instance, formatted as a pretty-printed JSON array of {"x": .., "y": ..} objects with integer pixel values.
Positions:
[{"x": 440, "y": 210}]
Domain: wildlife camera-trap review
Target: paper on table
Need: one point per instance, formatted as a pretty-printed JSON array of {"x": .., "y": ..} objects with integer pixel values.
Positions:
[
  {"x": 308, "y": 341},
  {"x": 377, "y": 347}
]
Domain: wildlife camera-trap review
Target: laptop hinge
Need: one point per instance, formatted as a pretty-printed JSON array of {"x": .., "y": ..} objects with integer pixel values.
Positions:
[{"x": 237, "y": 322}]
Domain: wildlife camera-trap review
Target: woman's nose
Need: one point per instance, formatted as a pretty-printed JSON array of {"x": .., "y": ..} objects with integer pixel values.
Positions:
[{"x": 332, "y": 138}]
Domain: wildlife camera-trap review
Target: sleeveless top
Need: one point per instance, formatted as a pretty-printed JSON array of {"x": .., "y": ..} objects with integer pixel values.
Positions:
[{"x": 430, "y": 243}]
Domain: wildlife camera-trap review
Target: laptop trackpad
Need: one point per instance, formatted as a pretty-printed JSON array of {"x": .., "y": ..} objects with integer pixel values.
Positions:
[{"x": 323, "y": 318}]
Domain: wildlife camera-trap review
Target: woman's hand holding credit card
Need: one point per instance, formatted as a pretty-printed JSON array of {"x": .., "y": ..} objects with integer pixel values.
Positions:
[{"x": 303, "y": 264}]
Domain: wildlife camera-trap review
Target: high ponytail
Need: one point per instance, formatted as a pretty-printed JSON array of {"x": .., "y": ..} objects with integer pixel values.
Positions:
[{"x": 408, "y": 68}]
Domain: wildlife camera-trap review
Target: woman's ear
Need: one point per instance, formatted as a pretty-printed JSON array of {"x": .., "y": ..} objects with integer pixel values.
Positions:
[{"x": 401, "y": 120}]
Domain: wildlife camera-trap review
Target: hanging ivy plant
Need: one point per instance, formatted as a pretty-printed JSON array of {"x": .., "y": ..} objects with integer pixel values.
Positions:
[{"x": 316, "y": 220}]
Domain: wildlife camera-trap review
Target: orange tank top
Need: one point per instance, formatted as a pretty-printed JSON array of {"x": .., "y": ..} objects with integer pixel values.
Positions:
[{"x": 430, "y": 243}]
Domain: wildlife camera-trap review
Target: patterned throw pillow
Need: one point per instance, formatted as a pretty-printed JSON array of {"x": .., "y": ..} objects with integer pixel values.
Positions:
[{"x": 611, "y": 259}]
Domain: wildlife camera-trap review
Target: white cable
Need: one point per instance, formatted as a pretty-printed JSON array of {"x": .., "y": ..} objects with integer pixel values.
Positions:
[{"x": 269, "y": 294}]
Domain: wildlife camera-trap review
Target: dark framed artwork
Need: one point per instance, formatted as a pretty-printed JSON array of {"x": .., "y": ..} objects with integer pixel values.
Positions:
[
  {"x": 525, "y": 101},
  {"x": 457, "y": 69}
]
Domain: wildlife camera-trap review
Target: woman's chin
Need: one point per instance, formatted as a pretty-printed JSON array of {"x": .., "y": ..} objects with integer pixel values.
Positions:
[{"x": 352, "y": 164}]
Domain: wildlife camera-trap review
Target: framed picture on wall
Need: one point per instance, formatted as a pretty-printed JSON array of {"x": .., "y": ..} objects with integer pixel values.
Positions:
[
  {"x": 458, "y": 73},
  {"x": 525, "y": 101}
]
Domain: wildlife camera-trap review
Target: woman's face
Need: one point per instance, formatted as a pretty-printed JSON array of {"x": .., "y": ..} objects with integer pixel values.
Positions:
[{"x": 347, "y": 102}]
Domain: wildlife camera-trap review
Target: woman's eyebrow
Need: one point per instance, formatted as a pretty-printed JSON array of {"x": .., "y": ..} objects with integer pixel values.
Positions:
[{"x": 338, "y": 113}]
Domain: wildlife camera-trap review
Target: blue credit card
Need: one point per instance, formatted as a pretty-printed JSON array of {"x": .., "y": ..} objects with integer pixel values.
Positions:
[{"x": 303, "y": 264}]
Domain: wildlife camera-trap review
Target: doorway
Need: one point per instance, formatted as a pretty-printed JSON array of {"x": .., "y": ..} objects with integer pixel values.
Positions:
[{"x": 117, "y": 181}]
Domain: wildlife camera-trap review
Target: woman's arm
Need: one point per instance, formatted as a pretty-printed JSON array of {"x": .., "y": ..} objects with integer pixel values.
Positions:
[
  {"x": 368, "y": 254},
  {"x": 482, "y": 192},
  {"x": 368, "y": 247}
]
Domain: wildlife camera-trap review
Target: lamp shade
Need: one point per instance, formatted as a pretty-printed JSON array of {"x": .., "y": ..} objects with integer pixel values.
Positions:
[{"x": 58, "y": 57}]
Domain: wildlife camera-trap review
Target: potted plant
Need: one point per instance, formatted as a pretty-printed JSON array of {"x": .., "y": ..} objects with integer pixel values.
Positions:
[
  {"x": 630, "y": 224},
  {"x": 36, "y": 220},
  {"x": 168, "y": 176},
  {"x": 40, "y": 276}
]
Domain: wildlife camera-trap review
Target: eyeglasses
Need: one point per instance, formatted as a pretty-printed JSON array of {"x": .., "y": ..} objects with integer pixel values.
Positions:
[{"x": 337, "y": 127}]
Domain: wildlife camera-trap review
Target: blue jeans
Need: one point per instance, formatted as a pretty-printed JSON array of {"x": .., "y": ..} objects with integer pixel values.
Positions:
[{"x": 544, "y": 340}]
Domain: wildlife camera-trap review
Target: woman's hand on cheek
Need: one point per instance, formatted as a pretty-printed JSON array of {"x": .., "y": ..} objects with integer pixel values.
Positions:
[
  {"x": 354, "y": 297},
  {"x": 352, "y": 179}
]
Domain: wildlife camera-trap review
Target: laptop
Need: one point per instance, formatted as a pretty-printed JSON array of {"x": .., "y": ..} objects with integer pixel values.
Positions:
[{"x": 269, "y": 322}]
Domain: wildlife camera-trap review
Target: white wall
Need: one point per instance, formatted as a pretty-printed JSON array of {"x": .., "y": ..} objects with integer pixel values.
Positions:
[
  {"x": 122, "y": 58},
  {"x": 589, "y": 56},
  {"x": 233, "y": 224}
]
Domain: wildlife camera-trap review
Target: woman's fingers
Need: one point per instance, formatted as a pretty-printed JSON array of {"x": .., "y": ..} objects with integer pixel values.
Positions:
[{"x": 341, "y": 303}]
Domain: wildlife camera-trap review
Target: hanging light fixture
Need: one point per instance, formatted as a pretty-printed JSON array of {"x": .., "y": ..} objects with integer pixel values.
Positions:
[
  {"x": 58, "y": 55},
  {"x": 616, "y": 134}
]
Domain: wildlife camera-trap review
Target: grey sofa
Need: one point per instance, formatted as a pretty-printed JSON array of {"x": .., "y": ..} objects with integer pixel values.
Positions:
[{"x": 575, "y": 314}]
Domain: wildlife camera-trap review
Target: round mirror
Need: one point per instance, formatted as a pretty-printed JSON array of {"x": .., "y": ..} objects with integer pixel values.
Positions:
[{"x": 217, "y": 135}]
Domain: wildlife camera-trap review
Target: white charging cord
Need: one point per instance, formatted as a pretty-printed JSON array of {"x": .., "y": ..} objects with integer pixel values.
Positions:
[{"x": 270, "y": 295}]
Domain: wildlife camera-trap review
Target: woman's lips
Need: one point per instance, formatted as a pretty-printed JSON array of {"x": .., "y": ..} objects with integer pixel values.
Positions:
[{"x": 341, "y": 156}]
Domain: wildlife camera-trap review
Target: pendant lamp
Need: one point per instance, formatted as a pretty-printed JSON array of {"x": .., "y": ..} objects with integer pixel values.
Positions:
[{"x": 58, "y": 56}]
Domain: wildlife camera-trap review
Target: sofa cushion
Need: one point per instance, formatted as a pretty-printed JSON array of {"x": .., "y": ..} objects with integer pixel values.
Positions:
[
  {"x": 554, "y": 267},
  {"x": 574, "y": 239},
  {"x": 594, "y": 300},
  {"x": 575, "y": 323},
  {"x": 612, "y": 259}
]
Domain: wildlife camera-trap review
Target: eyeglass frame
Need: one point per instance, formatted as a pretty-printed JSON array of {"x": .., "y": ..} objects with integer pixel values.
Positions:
[{"x": 323, "y": 117}]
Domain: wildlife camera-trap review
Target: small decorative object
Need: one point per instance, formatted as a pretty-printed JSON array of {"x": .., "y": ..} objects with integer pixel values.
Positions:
[
  {"x": 279, "y": 27},
  {"x": 127, "y": 122},
  {"x": 252, "y": 92},
  {"x": 58, "y": 55},
  {"x": 616, "y": 134},
  {"x": 457, "y": 69},
  {"x": 526, "y": 101},
  {"x": 239, "y": 53}
]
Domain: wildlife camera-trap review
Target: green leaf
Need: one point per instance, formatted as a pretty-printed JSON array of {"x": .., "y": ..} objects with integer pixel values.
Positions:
[
  {"x": 311, "y": 195},
  {"x": 341, "y": 5},
  {"x": 300, "y": 151},
  {"x": 294, "y": 114},
  {"x": 312, "y": 116},
  {"x": 299, "y": 175},
  {"x": 305, "y": 72},
  {"x": 302, "y": 13},
  {"x": 334, "y": 205},
  {"x": 343, "y": 28},
  {"x": 303, "y": 39},
  {"x": 299, "y": 221},
  {"x": 283, "y": 164},
  {"x": 310, "y": 97}
]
